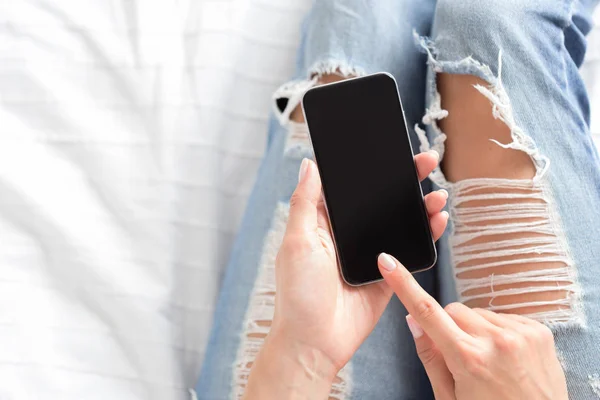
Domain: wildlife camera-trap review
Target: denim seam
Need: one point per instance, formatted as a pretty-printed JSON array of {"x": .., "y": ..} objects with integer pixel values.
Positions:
[{"x": 294, "y": 90}]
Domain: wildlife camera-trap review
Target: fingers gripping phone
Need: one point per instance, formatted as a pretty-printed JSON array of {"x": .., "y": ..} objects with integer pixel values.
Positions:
[{"x": 370, "y": 182}]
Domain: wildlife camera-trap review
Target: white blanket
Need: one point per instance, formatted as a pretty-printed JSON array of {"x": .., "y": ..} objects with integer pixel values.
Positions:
[{"x": 130, "y": 135}]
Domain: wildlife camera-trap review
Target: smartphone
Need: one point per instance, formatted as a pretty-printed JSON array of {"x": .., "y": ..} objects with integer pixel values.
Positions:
[{"x": 370, "y": 184}]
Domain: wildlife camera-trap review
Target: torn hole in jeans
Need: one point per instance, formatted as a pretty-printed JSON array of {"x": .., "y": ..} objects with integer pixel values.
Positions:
[
  {"x": 508, "y": 253},
  {"x": 508, "y": 249},
  {"x": 288, "y": 97}
]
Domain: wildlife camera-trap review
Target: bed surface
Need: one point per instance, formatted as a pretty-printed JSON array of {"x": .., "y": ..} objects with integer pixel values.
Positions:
[{"x": 130, "y": 135}]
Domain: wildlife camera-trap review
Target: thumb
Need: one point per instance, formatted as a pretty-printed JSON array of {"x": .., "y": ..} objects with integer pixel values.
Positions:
[
  {"x": 304, "y": 200},
  {"x": 440, "y": 377}
]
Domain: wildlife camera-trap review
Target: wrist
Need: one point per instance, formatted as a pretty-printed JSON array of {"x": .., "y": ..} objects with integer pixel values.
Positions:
[
  {"x": 286, "y": 368},
  {"x": 313, "y": 362}
]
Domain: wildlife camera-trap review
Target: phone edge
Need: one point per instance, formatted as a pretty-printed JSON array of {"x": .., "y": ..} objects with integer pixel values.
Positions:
[{"x": 433, "y": 246}]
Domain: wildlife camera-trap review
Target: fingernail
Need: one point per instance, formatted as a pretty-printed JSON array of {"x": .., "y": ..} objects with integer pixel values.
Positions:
[
  {"x": 414, "y": 327},
  {"x": 435, "y": 154},
  {"x": 445, "y": 214},
  {"x": 303, "y": 169},
  {"x": 444, "y": 193},
  {"x": 387, "y": 262}
]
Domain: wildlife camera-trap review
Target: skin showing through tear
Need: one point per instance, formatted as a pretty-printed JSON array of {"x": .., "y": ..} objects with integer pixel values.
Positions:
[
  {"x": 297, "y": 115},
  {"x": 470, "y": 154}
]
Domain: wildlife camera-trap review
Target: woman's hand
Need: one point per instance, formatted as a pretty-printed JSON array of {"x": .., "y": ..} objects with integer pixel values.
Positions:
[
  {"x": 474, "y": 353},
  {"x": 319, "y": 320},
  {"x": 313, "y": 305}
]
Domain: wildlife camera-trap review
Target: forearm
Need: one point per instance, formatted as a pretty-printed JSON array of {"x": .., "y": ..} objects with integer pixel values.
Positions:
[{"x": 284, "y": 370}]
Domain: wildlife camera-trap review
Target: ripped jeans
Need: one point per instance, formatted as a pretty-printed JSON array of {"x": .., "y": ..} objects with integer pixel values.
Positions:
[{"x": 501, "y": 230}]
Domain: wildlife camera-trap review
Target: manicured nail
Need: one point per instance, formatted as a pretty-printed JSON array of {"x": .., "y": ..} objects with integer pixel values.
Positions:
[
  {"x": 445, "y": 215},
  {"x": 303, "y": 169},
  {"x": 387, "y": 262},
  {"x": 414, "y": 327},
  {"x": 444, "y": 193},
  {"x": 435, "y": 154}
]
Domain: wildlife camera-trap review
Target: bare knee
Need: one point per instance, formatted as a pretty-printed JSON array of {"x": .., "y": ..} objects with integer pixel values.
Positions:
[
  {"x": 470, "y": 126},
  {"x": 508, "y": 249},
  {"x": 297, "y": 115}
]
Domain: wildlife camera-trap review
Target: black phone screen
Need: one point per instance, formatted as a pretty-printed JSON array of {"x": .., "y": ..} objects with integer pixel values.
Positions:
[{"x": 370, "y": 182}]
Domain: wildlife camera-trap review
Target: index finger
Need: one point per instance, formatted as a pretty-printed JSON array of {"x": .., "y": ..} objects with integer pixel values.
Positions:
[{"x": 436, "y": 322}]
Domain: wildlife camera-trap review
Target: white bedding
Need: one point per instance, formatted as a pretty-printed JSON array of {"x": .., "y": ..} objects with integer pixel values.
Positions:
[{"x": 130, "y": 134}]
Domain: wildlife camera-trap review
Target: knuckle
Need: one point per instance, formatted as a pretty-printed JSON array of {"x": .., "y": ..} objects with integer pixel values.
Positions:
[
  {"x": 454, "y": 308},
  {"x": 509, "y": 342},
  {"x": 426, "y": 308},
  {"x": 296, "y": 200}
]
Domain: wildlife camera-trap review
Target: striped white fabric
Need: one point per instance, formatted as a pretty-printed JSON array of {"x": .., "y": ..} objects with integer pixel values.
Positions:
[
  {"x": 130, "y": 135},
  {"x": 591, "y": 74}
]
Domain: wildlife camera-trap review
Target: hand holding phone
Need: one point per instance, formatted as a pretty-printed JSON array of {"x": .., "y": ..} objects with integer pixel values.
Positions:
[
  {"x": 370, "y": 184},
  {"x": 318, "y": 316}
]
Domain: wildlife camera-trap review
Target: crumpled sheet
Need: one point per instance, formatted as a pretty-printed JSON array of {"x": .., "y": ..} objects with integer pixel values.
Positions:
[{"x": 130, "y": 135}]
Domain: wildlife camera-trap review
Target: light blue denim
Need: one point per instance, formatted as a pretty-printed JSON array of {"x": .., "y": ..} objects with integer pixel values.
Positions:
[{"x": 542, "y": 44}]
